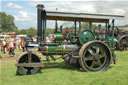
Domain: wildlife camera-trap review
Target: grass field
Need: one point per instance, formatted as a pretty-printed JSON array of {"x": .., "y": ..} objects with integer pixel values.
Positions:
[{"x": 60, "y": 74}]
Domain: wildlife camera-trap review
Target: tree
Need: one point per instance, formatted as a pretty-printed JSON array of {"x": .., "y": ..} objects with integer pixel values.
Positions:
[
  {"x": 23, "y": 31},
  {"x": 85, "y": 25},
  {"x": 50, "y": 31},
  {"x": 7, "y": 22},
  {"x": 31, "y": 32}
]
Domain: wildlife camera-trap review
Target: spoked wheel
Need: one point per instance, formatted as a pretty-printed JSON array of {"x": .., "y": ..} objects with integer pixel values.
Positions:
[
  {"x": 28, "y": 70},
  {"x": 123, "y": 43},
  {"x": 94, "y": 56}
]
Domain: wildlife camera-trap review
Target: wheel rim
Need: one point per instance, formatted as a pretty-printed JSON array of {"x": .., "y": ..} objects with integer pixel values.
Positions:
[
  {"x": 28, "y": 70},
  {"x": 95, "y": 57},
  {"x": 124, "y": 43}
]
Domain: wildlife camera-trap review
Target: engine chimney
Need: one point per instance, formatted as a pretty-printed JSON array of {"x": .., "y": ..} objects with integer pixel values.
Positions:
[{"x": 39, "y": 22}]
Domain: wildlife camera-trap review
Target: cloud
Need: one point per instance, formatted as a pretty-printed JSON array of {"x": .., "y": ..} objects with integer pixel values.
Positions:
[
  {"x": 23, "y": 16},
  {"x": 13, "y": 6},
  {"x": 111, "y": 7},
  {"x": 27, "y": 19},
  {"x": 119, "y": 11},
  {"x": 87, "y": 8}
]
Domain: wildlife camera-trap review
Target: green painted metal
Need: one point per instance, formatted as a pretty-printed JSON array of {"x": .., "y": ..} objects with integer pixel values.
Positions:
[
  {"x": 60, "y": 49},
  {"x": 59, "y": 36},
  {"x": 110, "y": 39},
  {"x": 85, "y": 36}
]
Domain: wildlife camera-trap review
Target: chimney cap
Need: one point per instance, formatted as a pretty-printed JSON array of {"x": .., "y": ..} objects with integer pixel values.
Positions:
[{"x": 40, "y": 6}]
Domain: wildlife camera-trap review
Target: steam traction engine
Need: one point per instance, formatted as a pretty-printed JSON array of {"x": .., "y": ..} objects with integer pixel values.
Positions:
[
  {"x": 77, "y": 47},
  {"x": 122, "y": 37}
]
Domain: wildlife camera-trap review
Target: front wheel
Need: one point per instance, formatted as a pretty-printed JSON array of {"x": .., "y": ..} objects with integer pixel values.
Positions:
[
  {"x": 28, "y": 70},
  {"x": 123, "y": 43},
  {"x": 95, "y": 56}
]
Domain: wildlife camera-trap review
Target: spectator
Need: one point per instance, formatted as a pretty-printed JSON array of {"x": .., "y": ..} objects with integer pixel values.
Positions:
[
  {"x": 47, "y": 58},
  {"x": 22, "y": 44},
  {"x": 1, "y": 46},
  {"x": 18, "y": 43},
  {"x": 11, "y": 48},
  {"x": 23, "y": 47},
  {"x": 0, "y": 56},
  {"x": 48, "y": 39},
  {"x": 4, "y": 46}
]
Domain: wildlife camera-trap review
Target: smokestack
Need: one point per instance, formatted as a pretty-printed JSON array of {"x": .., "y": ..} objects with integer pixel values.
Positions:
[{"x": 39, "y": 22}]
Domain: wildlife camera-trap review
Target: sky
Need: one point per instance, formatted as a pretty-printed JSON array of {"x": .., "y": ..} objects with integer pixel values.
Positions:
[{"x": 25, "y": 11}]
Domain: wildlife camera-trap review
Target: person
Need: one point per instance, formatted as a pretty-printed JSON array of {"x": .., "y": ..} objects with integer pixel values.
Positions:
[
  {"x": 1, "y": 46},
  {"x": 23, "y": 47},
  {"x": 0, "y": 56},
  {"x": 66, "y": 34},
  {"x": 4, "y": 46},
  {"x": 11, "y": 48},
  {"x": 48, "y": 39},
  {"x": 18, "y": 43},
  {"x": 47, "y": 58}
]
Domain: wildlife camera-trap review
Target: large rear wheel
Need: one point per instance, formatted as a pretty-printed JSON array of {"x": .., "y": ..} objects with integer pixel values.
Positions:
[{"x": 95, "y": 56}]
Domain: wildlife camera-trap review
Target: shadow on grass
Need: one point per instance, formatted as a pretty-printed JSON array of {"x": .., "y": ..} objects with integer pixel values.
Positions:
[
  {"x": 60, "y": 65},
  {"x": 110, "y": 67}
]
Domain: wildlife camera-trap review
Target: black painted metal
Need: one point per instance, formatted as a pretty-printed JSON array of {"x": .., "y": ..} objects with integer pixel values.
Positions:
[
  {"x": 90, "y": 25},
  {"x": 39, "y": 25},
  {"x": 44, "y": 24},
  {"x": 113, "y": 32},
  {"x": 75, "y": 27}
]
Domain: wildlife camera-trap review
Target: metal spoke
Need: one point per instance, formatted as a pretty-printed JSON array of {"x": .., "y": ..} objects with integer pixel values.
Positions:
[
  {"x": 90, "y": 51},
  {"x": 89, "y": 58},
  {"x": 29, "y": 57},
  {"x": 97, "y": 50},
  {"x": 102, "y": 51},
  {"x": 92, "y": 65},
  {"x": 99, "y": 62},
  {"x": 101, "y": 56}
]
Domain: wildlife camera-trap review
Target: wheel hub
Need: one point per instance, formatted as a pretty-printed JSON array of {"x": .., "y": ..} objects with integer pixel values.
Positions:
[{"x": 95, "y": 57}]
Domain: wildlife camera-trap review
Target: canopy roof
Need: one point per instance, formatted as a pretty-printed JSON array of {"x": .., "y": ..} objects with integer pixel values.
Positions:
[{"x": 85, "y": 17}]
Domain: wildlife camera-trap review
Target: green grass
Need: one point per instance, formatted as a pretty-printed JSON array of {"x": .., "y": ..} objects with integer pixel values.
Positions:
[{"x": 60, "y": 74}]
